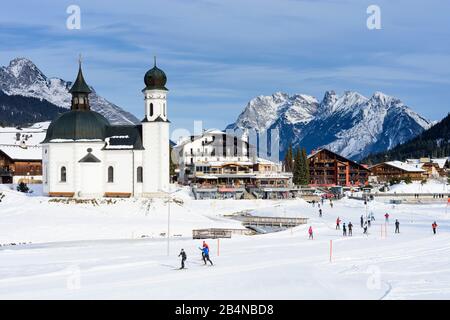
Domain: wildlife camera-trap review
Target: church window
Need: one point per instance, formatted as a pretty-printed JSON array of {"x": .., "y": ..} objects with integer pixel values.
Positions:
[
  {"x": 81, "y": 100},
  {"x": 151, "y": 109},
  {"x": 63, "y": 174},
  {"x": 164, "y": 108},
  {"x": 110, "y": 174},
  {"x": 75, "y": 100},
  {"x": 139, "y": 175}
]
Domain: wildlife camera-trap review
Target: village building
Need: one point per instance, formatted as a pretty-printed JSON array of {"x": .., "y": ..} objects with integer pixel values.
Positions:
[
  {"x": 434, "y": 167},
  {"x": 327, "y": 169},
  {"x": 221, "y": 165},
  {"x": 21, "y": 154},
  {"x": 386, "y": 171},
  {"x": 83, "y": 155}
]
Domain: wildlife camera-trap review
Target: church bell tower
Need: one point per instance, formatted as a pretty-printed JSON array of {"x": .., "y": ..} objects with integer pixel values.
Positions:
[{"x": 155, "y": 133}]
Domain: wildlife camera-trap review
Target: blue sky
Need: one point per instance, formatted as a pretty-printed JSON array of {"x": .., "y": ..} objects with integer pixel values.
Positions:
[{"x": 220, "y": 54}]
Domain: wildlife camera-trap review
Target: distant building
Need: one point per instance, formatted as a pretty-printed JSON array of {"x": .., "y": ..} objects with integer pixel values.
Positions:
[
  {"x": 221, "y": 165},
  {"x": 21, "y": 154},
  {"x": 327, "y": 168},
  {"x": 386, "y": 171},
  {"x": 435, "y": 168}
]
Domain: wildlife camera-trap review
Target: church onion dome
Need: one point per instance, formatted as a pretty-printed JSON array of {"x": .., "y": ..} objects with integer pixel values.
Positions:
[
  {"x": 155, "y": 78},
  {"x": 80, "y": 86},
  {"x": 77, "y": 125}
]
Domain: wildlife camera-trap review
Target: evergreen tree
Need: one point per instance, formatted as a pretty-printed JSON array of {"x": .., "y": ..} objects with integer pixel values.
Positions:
[
  {"x": 288, "y": 159},
  {"x": 305, "y": 168},
  {"x": 297, "y": 167},
  {"x": 22, "y": 187}
]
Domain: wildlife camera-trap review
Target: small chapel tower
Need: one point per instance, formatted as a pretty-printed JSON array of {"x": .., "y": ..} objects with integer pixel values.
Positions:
[{"x": 155, "y": 132}]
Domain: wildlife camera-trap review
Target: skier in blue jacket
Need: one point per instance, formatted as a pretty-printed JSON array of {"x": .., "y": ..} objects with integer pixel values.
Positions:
[{"x": 205, "y": 253}]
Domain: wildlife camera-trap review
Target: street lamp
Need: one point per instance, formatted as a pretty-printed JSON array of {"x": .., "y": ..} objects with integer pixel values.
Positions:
[{"x": 169, "y": 200}]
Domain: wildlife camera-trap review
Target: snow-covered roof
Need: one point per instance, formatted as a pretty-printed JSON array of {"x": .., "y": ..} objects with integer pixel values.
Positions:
[
  {"x": 31, "y": 136},
  {"x": 440, "y": 162},
  {"x": 16, "y": 152},
  {"x": 405, "y": 166}
]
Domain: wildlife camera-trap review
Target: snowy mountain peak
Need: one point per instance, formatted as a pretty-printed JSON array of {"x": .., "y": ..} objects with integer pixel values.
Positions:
[
  {"x": 23, "y": 78},
  {"x": 350, "y": 124}
]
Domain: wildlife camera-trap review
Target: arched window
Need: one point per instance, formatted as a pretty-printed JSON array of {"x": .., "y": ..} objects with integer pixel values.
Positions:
[
  {"x": 151, "y": 109},
  {"x": 110, "y": 174},
  {"x": 139, "y": 174},
  {"x": 81, "y": 99},
  {"x": 164, "y": 108},
  {"x": 75, "y": 100},
  {"x": 63, "y": 174}
]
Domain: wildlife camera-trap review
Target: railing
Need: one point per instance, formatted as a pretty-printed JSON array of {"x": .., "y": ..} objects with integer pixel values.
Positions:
[
  {"x": 215, "y": 233},
  {"x": 272, "y": 221}
]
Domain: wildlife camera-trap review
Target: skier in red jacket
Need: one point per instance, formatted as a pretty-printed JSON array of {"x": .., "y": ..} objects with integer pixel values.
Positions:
[
  {"x": 434, "y": 226},
  {"x": 310, "y": 231},
  {"x": 338, "y": 222},
  {"x": 386, "y": 216}
]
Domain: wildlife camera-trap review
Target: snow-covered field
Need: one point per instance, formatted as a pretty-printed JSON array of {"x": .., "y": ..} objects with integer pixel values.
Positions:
[{"x": 96, "y": 251}]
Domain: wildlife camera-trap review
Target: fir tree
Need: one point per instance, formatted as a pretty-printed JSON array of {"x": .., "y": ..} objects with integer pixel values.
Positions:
[
  {"x": 305, "y": 168},
  {"x": 288, "y": 159},
  {"x": 297, "y": 167},
  {"x": 22, "y": 187}
]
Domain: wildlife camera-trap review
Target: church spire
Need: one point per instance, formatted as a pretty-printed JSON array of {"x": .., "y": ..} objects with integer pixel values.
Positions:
[{"x": 80, "y": 91}]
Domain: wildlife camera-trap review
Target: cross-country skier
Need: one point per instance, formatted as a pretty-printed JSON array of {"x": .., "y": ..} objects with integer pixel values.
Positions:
[
  {"x": 204, "y": 245},
  {"x": 331, "y": 203},
  {"x": 338, "y": 222},
  {"x": 350, "y": 228},
  {"x": 183, "y": 258},
  {"x": 434, "y": 226},
  {"x": 365, "y": 227},
  {"x": 362, "y": 221},
  {"x": 386, "y": 216},
  {"x": 320, "y": 213},
  {"x": 368, "y": 222},
  {"x": 397, "y": 226},
  {"x": 205, "y": 253},
  {"x": 314, "y": 203},
  {"x": 310, "y": 232},
  {"x": 344, "y": 230}
]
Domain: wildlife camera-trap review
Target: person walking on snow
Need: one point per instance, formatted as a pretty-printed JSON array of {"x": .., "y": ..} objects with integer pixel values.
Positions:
[
  {"x": 350, "y": 228},
  {"x": 362, "y": 221},
  {"x": 310, "y": 232},
  {"x": 344, "y": 230},
  {"x": 365, "y": 227},
  {"x": 320, "y": 213},
  {"x": 386, "y": 216},
  {"x": 205, "y": 251},
  {"x": 338, "y": 221},
  {"x": 397, "y": 226},
  {"x": 331, "y": 204},
  {"x": 183, "y": 258},
  {"x": 434, "y": 226}
]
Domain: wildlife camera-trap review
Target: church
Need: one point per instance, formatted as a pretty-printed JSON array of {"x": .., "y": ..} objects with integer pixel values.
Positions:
[{"x": 83, "y": 155}]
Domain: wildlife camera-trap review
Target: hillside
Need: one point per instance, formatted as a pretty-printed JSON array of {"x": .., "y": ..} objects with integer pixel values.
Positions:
[{"x": 434, "y": 142}]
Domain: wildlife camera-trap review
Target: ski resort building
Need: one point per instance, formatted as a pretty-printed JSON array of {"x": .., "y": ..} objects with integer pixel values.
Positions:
[
  {"x": 83, "y": 155},
  {"x": 221, "y": 165},
  {"x": 384, "y": 172},
  {"x": 327, "y": 169},
  {"x": 21, "y": 154}
]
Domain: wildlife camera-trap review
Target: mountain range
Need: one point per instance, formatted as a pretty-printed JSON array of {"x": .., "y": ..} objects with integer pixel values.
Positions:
[
  {"x": 433, "y": 143},
  {"x": 28, "y": 96},
  {"x": 349, "y": 124}
]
